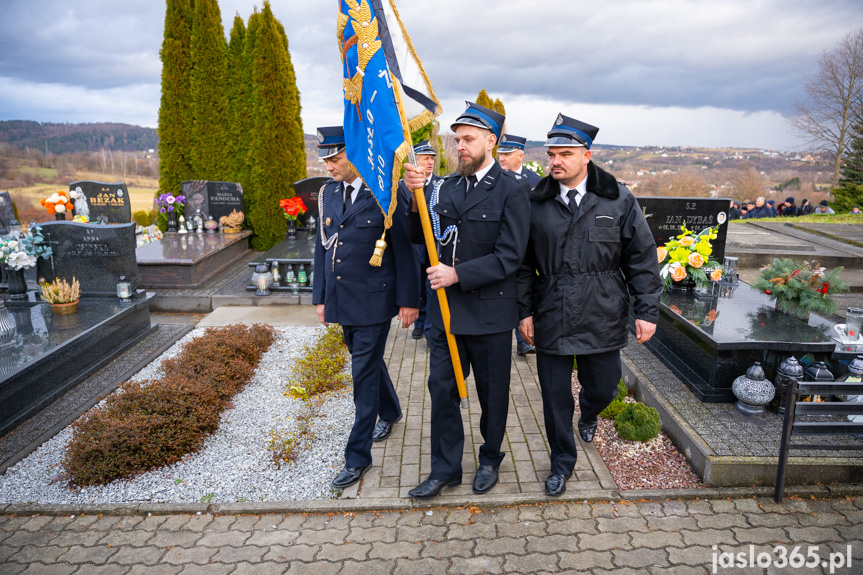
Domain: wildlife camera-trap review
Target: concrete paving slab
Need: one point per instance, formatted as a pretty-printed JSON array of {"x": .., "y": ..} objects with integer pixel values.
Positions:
[{"x": 275, "y": 315}]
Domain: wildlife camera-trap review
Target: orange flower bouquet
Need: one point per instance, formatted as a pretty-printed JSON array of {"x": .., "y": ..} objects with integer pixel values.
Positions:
[
  {"x": 688, "y": 256},
  {"x": 57, "y": 203},
  {"x": 293, "y": 207}
]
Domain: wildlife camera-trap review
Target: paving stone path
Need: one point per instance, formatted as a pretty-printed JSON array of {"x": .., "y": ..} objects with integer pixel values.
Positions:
[{"x": 649, "y": 537}]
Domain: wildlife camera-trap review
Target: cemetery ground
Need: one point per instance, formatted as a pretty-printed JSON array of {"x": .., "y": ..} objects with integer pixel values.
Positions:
[{"x": 596, "y": 527}]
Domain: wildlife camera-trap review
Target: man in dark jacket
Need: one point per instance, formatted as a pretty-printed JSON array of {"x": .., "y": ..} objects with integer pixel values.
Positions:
[
  {"x": 790, "y": 209},
  {"x": 760, "y": 210},
  {"x": 362, "y": 298},
  {"x": 425, "y": 156},
  {"x": 480, "y": 219},
  {"x": 589, "y": 251}
]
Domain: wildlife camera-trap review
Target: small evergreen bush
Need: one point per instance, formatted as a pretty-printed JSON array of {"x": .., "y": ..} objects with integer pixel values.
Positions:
[
  {"x": 638, "y": 422},
  {"x": 617, "y": 404},
  {"x": 320, "y": 369},
  {"x": 145, "y": 218},
  {"x": 157, "y": 422}
]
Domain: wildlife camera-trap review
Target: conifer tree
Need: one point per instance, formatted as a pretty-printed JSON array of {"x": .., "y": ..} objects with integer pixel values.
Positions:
[
  {"x": 483, "y": 99},
  {"x": 850, "y": 190},
  {"x": 276, "y": 142},
  {"x": 209, "y": 109},
  {"x": 248, "y": 109},
  {"x": 236, "y": 92},
  {"x": 175, "y": 117}
]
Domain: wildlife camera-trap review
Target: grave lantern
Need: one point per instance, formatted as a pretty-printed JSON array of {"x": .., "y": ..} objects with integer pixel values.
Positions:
[
  {"x": 261, "y": 279},
  {"x": 788, "y": 371},
  {"x": 124, "y": 289},
  {"x": 15, "y": 228},
  {"x": 817, "y": 372},
  {"x": 753, "y": 391},
  {"x": 854, "y": 375},
  {"x": 7, "y": 327}
]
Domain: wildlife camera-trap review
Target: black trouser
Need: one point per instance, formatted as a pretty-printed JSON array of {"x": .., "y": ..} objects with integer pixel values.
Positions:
[
  {"x": 598, "y": 375},
  {"x": 490, "y": 357},
  {"x": 374, "y": 394}
]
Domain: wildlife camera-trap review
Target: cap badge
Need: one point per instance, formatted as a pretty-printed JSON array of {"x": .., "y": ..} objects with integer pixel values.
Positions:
[
  {"x": 320, "y": 137},
  {"x": 559, "y": 120}
]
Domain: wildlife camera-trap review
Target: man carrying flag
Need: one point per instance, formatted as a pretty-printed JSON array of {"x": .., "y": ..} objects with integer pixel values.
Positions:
[{"x": 481, "y": 216}]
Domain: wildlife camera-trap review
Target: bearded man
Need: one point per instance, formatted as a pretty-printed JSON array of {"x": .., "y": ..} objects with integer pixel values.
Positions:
[{"x": 480, "y": 216}]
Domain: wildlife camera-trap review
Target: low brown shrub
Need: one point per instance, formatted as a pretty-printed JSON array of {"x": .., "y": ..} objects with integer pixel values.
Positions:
[{"x": 157, "y": 422}]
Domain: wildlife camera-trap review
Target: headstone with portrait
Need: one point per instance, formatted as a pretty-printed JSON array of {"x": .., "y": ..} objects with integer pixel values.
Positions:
[
  {"x": 215, "y": 199},
  {"x": 96, "y": 255},
  {"x": 666, "y": 215},
  {"x": 308, "y": 189},
  {"x": 102, "y": 203}
]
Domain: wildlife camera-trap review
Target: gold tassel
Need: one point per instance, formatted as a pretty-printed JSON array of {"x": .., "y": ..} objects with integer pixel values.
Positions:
[{"x": 378, "y": 256}]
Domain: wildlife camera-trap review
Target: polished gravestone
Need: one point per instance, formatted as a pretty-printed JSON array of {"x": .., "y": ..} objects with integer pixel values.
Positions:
[
  {"x": 188, "y": 260},
  {"x": 214, "y": 199},
  {"x": 97, "y": 255},
  {"x": 290, "y": 254},
  {"x": 103, "y": 203},
  {"x": 308, "y": 189},
  {"x": 666, "y": 215},
  {"x": 709, "y": 342},
  {"x": 54, "y": 353},
  {"x": 7, "y": 212}
]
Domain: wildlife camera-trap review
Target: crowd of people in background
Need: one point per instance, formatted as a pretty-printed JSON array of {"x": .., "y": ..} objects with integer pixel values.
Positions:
[{"x": 749, "y": 210}]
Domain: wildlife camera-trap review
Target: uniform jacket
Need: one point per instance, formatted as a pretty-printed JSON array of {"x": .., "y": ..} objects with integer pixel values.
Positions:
[
  {"x": 588, "y": 266},
  {"x": 492, "y": 222},
  {"x": 354, "y": 292},
  {"x": 421, "y": 248},
  {"x": 532, "y": 177}
]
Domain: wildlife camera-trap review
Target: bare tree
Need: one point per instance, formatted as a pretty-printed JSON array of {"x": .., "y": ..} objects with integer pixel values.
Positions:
[
  {"x": 749, "y": 183},
  {"x": 835, "y": 97}
]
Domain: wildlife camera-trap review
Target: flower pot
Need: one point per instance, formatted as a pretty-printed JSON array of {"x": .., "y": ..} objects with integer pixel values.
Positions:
[
  {"x": 60, "y": 216},
  {"x": 172, "y": 221},
  {"x": 292, "y": 230},
  {"x": 231, "y": 230},
  {"x": 65, "y": 308},
  {"x": 17, "y": 284}
]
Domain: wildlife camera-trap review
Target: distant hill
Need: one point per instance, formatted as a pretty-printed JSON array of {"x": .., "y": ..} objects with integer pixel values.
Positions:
[{"x": 69, "y": 138}]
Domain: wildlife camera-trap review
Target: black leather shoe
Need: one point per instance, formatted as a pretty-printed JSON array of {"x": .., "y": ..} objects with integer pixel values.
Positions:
[
  {"x": 417, "y": 333},
  {"x": 432, "y": 487},
  {"x": 384, "y": 428},
  {"x": 555, "y": 484},
  {"x": 587, "y": 429},
  {"x": 349, "y": 475},
  {"x": 485, "y": 479},
  {"x": 523, "y": 348}
]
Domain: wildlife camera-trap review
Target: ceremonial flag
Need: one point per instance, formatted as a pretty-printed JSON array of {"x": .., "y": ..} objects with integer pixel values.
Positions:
[{"x": 375, "y": 49}]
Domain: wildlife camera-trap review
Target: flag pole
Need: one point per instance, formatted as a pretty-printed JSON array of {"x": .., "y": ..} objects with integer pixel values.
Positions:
[{"x": 432, "y": 251}]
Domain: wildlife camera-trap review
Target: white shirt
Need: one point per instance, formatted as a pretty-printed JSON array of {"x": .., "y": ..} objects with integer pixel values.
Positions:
[
  {"x": 580, "y": 189},
  {"x": 481, "y": 173},
  {"x": 354, "y": 187}
]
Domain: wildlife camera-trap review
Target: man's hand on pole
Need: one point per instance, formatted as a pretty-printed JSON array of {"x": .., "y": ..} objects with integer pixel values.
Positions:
[
  {"x": 408, "y": 315},
  {"x": 441, "y": 276},
  {"x": 415, "y": 179}
]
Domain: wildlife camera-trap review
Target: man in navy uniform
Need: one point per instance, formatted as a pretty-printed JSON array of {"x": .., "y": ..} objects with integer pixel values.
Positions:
[
  {"x": 425, "y": 155},
  {"x": 360, "y": 297},
  {"x": 510, "y": 153},
  {"x": 590, "y": 251},
  {"x": 480, "y": 216}
]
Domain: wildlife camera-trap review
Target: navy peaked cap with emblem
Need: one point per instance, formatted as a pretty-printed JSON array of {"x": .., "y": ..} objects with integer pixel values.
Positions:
[
  {"x": 424, "y": 148},
  {"x": 481, "y": 117},
  {"x": 570, "y": 132},
  {"x": 331, "y": 141},
  {"x": 510, "y": 143}
]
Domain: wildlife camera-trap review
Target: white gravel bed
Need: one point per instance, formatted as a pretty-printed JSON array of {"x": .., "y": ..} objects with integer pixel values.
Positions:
[{"x": 234, "y": 464}]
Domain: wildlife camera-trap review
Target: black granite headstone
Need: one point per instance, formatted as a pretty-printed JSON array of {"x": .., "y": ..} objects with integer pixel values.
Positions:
[
  {"x": 666, "y": 215},
  {"x": 96, "y": 255},
  {"x": 102, "y": 203},
  {"x": 7, "y": 212},
  {"x": 308, "y": 190},
  {"x": 214, "y": 199}
]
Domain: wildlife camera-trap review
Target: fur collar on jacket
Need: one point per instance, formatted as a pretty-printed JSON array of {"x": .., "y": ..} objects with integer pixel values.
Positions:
[{"x": 599, "y": 182}]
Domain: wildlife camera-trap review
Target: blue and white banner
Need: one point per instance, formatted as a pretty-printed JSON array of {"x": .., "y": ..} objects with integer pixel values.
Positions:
[{"x": 375, "y": 48}]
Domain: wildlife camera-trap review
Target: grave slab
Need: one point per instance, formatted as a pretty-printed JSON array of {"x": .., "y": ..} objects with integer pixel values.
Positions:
[{"x": 189, "y": 260}]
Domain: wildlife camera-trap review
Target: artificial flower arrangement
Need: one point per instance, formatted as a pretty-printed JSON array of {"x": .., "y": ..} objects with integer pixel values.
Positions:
[
  {"x": 22, "y": 253},
  {"x": 800, "y": 287},
  {"x": 81, "y": 219},
  {"x": 232, "y": 222},
  {"x": 536, "y": 167},
  {"x": 61, "y": 291},
  {"x": 293, "y": 207},
  {"x": 689, "y": 256},
  {"x": 169, "y": 202},
  {"x": 57, "y": 203}
]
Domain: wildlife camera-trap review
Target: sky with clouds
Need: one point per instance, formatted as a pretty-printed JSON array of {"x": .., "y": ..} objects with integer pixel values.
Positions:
[{"x": 647, "y": 72}]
